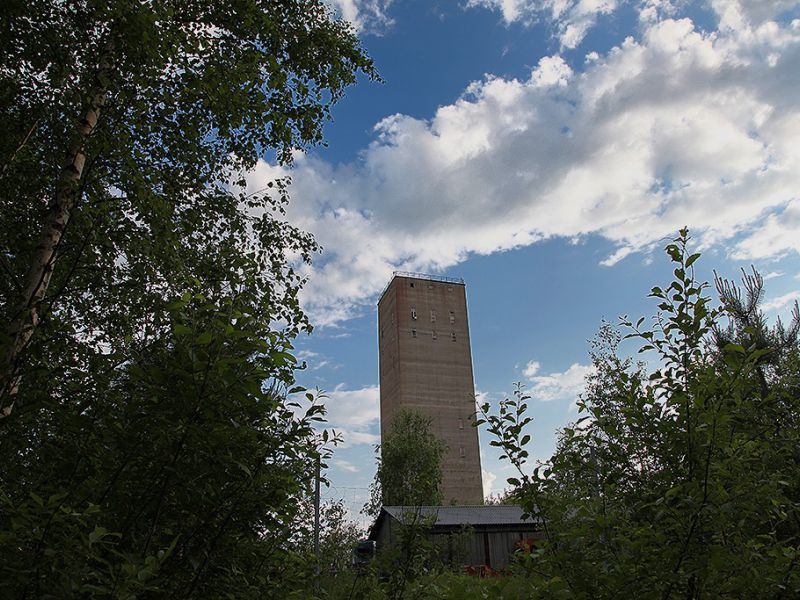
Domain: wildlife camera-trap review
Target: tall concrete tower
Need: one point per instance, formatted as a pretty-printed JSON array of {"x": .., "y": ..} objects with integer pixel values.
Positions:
[{"x": 426, "y": 366}]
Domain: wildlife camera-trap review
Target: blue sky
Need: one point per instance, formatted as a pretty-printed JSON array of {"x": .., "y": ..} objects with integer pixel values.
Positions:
[{"x": 545, "y": 151}]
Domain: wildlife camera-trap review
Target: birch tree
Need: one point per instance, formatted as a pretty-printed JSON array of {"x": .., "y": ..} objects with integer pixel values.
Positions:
[
  {"x": 119, "y": 113},
  {"x": 149, "y": 306}
]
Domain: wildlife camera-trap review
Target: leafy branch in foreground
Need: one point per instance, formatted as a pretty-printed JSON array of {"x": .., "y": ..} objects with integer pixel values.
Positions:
[
  {"x": 678, "y": 480},
  {"x": 507, "y": 429},
  {"x": 120, "y": 115},
  {"x": 148, "y": 301}
]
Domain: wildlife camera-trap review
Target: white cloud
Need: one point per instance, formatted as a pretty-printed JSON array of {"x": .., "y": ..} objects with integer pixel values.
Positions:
[
  {"x": 651, "y": 11},
  {"x": 781, "y": 302},
  {"x": 356, "y": 438},
  {"x": 559, "y": 386},
  {"x": 552, "y": 71},
  {"x": 346, "y": 466},
  {"x": 512, "y": 10},
  {"x": 313, "y": 360},
  {"x": 679, "y": 127},
  {"x": 571, "y": 19},
  {"x": 742, "y": 14},
  {"x": 353, "y": 408},
  {"x": 776, "y": 235},
  {"x": 617, "y": 256},
  {"x": 488, "y": 482},
  {"x": 365, "y": 15},
  {"x": 354, "y": 414},
  {"x": 531, "y": 369},
  {"x": 772, "y": 275},
  {"x": 481, "y": 398},
  {"x": 306, "y": 355}
]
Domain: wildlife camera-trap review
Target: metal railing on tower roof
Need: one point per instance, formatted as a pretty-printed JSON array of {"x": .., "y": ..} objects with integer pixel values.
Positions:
[
  {"x": 427, "y": 277},
  {"x": 422, "y": 276}
]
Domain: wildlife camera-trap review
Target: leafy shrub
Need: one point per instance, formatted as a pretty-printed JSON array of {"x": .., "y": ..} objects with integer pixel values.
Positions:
[{"x": 680, "y": 479}]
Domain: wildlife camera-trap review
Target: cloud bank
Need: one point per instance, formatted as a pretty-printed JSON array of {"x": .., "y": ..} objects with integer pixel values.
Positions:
[
  {"x": 564, "y": 386},
  {"x": 354, "y": 414},
  {"x": 571, "y": 19},
  {"x": 366, "y": 16},
  {"x": 680, "y": 126}
]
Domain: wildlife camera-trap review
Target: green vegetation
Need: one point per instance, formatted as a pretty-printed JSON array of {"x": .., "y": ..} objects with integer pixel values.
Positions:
[
  {"x": 409, "y": 471},
  {"x": 147, "y": 441},
  {"x": 338, "y": 537},
  {"x": 415, "y": 567},
  {"x": 439, "y": 584},
  {"x": 125, "y": 124},
  {"x": 680, "y": 479}
]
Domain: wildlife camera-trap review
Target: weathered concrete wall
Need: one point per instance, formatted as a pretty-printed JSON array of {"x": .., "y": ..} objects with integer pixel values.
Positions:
[{"x": 426, "y": 365}]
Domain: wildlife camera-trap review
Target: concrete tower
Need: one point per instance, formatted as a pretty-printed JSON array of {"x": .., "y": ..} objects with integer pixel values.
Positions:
[{"x": 426, "y": 366}]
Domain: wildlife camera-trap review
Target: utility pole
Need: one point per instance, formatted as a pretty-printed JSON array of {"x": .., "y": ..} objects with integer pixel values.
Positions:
[{"x": 316, "y": 524}]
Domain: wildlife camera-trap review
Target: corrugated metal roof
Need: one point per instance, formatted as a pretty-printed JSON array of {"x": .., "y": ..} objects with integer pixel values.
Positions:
[{"x": 504, "y": 514}]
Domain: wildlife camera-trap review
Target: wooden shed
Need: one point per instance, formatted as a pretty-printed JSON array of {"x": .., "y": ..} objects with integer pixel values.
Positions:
[{"x": 489, "y": 534}]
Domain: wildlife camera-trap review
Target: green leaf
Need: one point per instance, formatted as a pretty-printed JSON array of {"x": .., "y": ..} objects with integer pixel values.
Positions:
[
  {"x": 691, "y": 260},
  {"x": 737, "y": 348},
  {"x": 674, "y": 252},
  {"x": 181, "y": 329}
]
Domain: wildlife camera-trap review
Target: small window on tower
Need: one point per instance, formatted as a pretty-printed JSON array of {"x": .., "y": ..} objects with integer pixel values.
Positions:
[
  {"x": 433, "y": 316},
  {"x": 411, "y": 284},
  {"x": 452, "y": 317},
  {"x": 461, "y": 423},
  {"x": 413, "y": 313},
  {"x": 452, "y": 336},
  {"x": 433, "y": 335},
  {"x": 413, "y": 333},
  {"x": 462, "y": 452}
]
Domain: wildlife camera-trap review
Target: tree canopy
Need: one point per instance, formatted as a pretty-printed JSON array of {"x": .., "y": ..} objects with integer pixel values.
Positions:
[
  {"x": 149, "y": 443},
  {"x": 409, "y": 469},
  {"x": 679, "y": 480},
  {"x": 126, "y": 124}
]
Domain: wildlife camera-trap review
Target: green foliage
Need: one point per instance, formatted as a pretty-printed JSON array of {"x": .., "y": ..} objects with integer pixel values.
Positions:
[
  {"x": 414, "y": 566},
  {"x": 338, "y": 538},
  {"x": 192, "y": 94},
  {"x": 153, "y": 450},
  {"x": 441, "y": 585},
  {"x": 409, "y": 465},
  {"x": 678, "y": 480},
  {"x": 454, "y": 586},
  {"x": 409, "y": 474},
  {"x": 183, "y": 478},
  {"x": 412, "y": 555}
]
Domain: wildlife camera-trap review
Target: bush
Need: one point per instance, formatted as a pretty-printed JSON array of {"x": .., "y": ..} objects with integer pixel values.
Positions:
[{"x": 680, "y": 479}]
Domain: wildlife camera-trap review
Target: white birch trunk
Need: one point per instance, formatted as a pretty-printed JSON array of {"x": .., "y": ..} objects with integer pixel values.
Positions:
[{"x": 40, "y": 270}]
